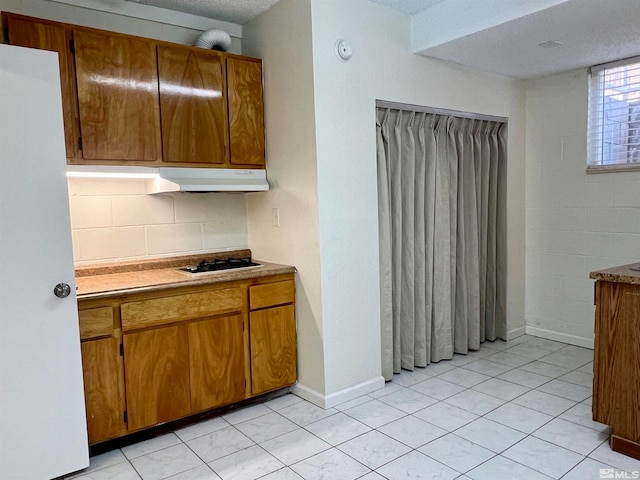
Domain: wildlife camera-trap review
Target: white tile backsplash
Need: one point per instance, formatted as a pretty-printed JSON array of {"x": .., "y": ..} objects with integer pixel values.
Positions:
[
  {"x": 91, "y": 212},
  {"x": 220, "y": 235},
  {"x": 209, "y": 207},
  {"x": 166, "y": 239},
  {"x": 143, "y": 210},
  {"x": 114, "y": 220},
  {"x": 111, "y": 243}
]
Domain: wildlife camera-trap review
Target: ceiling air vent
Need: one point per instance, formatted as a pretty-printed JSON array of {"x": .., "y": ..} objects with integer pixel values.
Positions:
[{"x": 550, "y": 44}]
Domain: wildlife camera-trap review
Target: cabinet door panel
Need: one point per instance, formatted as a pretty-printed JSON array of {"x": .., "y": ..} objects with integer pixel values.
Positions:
[
  {"x": 193, "y": 105},
  {"x": 49, "y": 36},
  {"x": 617, "y": 359},
  {"x": 216, "y": 354},
  {"x": 272, "y": 294},
  {"x": 117, "y": 83},
  {"x": 246, "y": 112},
  {"x": 101, "y": 389},
  {"x": 95, "y": 322},
  {"x": 273, "y": 348},
  {"x": 156, "y": 365},
  {"x": 170, "y": 309}
]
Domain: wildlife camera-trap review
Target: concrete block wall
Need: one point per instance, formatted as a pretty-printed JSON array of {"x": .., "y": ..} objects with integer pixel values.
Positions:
[
  {"x": 576, "y": 222},
  {"x": 114, "y": 220}
]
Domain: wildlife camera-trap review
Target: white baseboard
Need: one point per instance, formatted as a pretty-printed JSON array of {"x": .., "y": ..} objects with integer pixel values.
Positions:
[
  {"x": 333, "y": 399},
  {"x": 560, "y": 337},
  {"x": 355, "y": 391},
  {"x": 309, "y": 394},
  {"x": 516, "y": 332}
]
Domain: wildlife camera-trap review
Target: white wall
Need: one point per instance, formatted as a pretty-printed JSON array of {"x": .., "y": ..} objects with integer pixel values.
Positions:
[
  {"x": 383, "y": 68},
  {"x": 282, "y": 38},
  {"x": 576, "y": 222},
  {"x": 345, "y": 220}
]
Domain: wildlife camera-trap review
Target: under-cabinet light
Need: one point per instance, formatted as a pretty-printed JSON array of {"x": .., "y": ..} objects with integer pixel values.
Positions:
[{"x": 87, "y": 171}]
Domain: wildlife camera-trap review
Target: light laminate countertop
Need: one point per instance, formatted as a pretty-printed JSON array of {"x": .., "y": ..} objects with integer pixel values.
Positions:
[{"x": 107, "y": 280}]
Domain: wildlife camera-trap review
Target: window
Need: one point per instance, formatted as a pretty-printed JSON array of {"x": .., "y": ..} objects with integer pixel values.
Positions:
[{"x": 614, "y": 115}]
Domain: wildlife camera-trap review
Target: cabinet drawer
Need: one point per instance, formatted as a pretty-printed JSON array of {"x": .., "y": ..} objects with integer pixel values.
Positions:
[
  {"x": 270, "y": 294},
  {"x": 95, "y": 322},
  {"x": 160, "y": 311}
]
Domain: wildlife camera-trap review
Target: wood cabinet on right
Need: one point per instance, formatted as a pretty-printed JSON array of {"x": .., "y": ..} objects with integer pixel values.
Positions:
[
  {"x": 246, "y": 111},
  {"x": 272, "y": 332},
  {"x": 616, "y": 382}
]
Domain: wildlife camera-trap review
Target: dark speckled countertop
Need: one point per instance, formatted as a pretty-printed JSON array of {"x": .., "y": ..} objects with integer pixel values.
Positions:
[
  {"x": 110, "y": 279},
  {"x": 623, "y": 274}
]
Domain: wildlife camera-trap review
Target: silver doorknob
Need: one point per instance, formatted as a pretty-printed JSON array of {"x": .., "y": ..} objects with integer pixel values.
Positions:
[{"x": 62, "y": 290}]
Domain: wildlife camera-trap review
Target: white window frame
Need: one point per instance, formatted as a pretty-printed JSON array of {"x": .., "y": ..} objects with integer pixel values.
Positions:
[{"x": 597, "y": 160}]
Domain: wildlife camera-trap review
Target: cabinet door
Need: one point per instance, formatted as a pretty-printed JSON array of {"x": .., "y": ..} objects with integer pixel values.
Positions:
[
  {"x": 216, "y": 356},
  {"x": 156, "y": 366},
  {"x": 193, "y": 105},
  {"x": 617, "y": 359},
  {"x": 104, "y": 405},
  {"x": 30, "y": 33},
  {"x": 246, "y": 112},
  {"x": 272, "y": 334},
  {"x": 117, "y": 83}
]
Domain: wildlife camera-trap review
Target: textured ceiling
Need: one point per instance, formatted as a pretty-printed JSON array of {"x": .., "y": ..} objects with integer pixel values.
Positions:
[
  {"x": 572, "y": 34},
  {"x": 233, "y": 11}
]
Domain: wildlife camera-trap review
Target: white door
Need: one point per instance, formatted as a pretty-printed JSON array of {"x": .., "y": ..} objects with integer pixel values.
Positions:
[{"x": 42, "y": 418}]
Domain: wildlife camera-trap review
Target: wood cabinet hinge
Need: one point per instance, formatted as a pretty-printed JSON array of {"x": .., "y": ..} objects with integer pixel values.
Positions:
[
  {"x": 125, "y": 416},
  {"x": 122, "y": 349},
  {"x": 72, "y": 46}
]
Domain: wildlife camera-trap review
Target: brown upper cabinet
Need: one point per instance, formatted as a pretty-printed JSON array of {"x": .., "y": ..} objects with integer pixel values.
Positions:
[
  {"x": 194, "y": 106},
  {"x": 246, "y": 111},
  {"x": 129, "y": 100},
  {"x": 55, "y": 37},
  {"x": 117, "y": 83}
]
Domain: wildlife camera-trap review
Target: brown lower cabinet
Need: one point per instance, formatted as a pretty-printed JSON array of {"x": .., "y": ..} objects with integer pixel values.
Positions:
[
  {"x": 150, "y": 358},
  {"x": 157, "y": 375},
  {"x": 273, "y": 353},
  {"x": 101, "y": 365},
  {"x": 216, "y": 362},
  {"x": 616, "y": 380}
]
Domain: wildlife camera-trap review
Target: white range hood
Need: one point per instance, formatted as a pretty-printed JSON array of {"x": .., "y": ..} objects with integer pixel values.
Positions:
[
  {"x": 208, "y": 180},
  {"x": 166, "y": 179}
]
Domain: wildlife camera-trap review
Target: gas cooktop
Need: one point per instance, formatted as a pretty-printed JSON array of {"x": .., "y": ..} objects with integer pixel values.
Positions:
[{"x": 218, "y": 265}]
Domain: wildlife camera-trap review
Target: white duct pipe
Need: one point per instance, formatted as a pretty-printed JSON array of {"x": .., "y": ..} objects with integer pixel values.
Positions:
[{"x": 214, "y": 39}]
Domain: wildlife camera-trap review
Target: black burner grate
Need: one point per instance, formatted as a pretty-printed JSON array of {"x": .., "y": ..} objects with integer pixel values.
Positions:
[{"x": 219, "y": 264}]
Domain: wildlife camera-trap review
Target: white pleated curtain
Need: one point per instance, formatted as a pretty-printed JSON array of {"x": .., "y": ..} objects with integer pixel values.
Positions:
[{"x": 441, "y": 195}]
